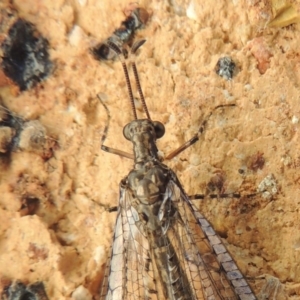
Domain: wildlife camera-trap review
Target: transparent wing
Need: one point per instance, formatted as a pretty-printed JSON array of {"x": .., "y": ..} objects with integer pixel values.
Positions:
[
  {"x": 129, "y": 272},
  {"x": 210, "y": 268},
  {"x": 186, "y": 250}
]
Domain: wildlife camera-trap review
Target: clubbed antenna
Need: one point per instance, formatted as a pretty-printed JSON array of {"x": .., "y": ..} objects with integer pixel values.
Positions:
[
  {"x": 134, "y": 49},
  {"x": 115, "y": 48}
]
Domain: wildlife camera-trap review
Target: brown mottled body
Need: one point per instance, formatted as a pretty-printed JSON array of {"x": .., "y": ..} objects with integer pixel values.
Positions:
[{"x": 147, "y": 183}]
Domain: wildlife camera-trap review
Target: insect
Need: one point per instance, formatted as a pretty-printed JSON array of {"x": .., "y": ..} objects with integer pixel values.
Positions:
[
  {"x": 163, "y": 247},
  {"x": 136, "y": 18}
]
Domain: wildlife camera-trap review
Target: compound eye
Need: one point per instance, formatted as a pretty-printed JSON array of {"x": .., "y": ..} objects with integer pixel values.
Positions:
[
  {"x": 159, "y": 129},
  {"x": 126, "y": 132}
]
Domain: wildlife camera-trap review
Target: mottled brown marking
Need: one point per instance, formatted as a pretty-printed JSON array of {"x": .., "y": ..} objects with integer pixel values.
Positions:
[
  {"x": 36, "y": 252},
  {"x": 256, "y": 161}
]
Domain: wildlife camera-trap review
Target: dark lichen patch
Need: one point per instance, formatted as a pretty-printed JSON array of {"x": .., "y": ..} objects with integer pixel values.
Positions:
[
  {"x": 25, "y": 55},
  {"x": 17, "y": 134},
  {"x": 225, "y": 67},
  {"x": 10, "y": 129},
  {"x": 19, "y": 291}
]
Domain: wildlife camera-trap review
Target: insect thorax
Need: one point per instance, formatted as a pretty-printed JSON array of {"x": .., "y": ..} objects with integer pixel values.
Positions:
[{"x": 149, "y": 179}]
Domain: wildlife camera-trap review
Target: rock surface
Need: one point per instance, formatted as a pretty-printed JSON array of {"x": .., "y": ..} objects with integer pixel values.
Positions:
[{"x": 55, "y": 226}]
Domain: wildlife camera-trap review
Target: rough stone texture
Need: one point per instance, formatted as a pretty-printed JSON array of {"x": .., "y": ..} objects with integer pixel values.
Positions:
[{"x": 64, "y": 240}]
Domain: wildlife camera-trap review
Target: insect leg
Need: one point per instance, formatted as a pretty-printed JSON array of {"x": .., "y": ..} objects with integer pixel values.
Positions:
[
  {"x": 214, "y": 196},
  {"x": 112, "y": 209},
  {"x": 217, "y": 196},
  {"x": 196, "y": 137},
  {"x": 109, "y": 149}
]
